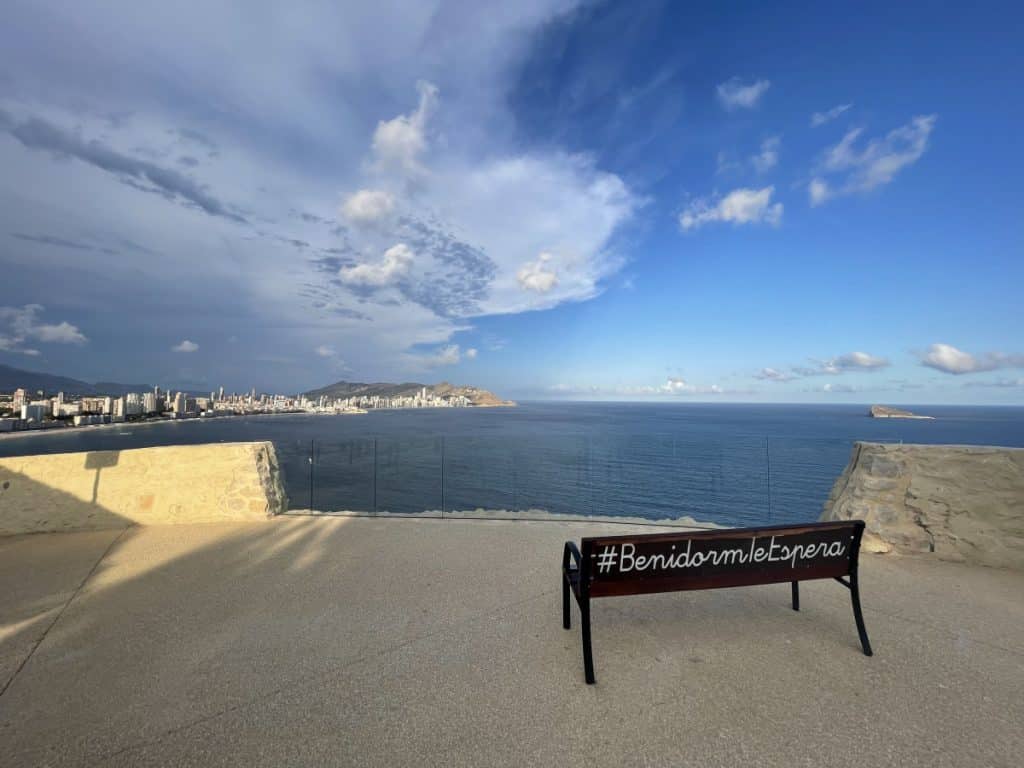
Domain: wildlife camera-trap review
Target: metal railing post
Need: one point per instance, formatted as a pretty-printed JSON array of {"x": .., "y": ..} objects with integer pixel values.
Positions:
[
  {"x": 375, "y": 475},
  {"x": 442, "y": 476},
  {"x": 768, "y": 466},
  {"x": 311, "y": 453}
]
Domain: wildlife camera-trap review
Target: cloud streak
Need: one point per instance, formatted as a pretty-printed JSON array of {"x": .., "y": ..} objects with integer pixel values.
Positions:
[
  {"x": 821, "y": 118},
  {"x": 38, "y": 134}
]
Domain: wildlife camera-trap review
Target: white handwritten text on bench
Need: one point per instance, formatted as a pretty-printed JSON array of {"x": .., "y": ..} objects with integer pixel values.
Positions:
[{"x": 627, "y": 560}]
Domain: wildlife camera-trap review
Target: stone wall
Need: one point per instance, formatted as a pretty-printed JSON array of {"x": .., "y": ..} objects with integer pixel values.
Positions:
[
  {"x": 962, "y": 503},
  {"x": 148, "y": 486}
]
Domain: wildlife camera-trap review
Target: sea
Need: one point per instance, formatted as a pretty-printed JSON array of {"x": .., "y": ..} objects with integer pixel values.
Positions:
[{"x": 725, "y": 464}]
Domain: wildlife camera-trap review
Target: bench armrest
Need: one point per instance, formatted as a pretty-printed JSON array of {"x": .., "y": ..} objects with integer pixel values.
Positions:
[{"x": 573, "y": 552}]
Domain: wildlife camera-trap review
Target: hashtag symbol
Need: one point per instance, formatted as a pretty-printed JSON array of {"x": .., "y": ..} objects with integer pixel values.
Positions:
[{"x": 606, "y": 560}]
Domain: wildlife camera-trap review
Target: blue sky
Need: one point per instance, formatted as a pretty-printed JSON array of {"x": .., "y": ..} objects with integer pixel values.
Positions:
[{"x": 551, "y": 199}]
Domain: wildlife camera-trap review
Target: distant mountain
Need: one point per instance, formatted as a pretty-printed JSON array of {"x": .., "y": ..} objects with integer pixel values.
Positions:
[
  {"x": 32, "y": 381},
  {"x": 477, "y": 396}
]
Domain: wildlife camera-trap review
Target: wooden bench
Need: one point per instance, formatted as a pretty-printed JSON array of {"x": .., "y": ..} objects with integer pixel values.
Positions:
[{"x": 608, "y": 566}]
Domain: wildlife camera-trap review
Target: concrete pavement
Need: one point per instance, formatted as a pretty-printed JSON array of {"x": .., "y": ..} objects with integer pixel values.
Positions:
[{"x": 339, "y": 641}]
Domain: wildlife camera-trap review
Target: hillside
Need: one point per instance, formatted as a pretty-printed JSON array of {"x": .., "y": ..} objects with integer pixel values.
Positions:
[
  {"x": 478, "y": 397},
  {"x": 32, "y": 381}
]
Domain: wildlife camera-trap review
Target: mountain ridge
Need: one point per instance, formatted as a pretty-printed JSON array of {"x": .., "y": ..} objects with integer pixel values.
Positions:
[{"x": 12, "y": 378}]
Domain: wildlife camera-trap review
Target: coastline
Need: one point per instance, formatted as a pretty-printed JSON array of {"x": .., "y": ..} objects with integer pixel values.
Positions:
[{"x": 533, "y": 514}]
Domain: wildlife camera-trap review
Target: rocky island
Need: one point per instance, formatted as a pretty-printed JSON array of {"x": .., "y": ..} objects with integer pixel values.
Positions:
[{"x": 885, "y": 412}]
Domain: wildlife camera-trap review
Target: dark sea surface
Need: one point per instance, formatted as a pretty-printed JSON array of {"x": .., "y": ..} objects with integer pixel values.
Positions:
[{"x": 727, "y": 464}]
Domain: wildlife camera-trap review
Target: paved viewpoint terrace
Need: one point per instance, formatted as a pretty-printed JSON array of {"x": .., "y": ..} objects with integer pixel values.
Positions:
[{"x": 391, "y": 642}]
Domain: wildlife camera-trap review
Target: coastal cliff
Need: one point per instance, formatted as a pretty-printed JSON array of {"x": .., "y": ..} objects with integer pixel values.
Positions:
[{"x": 962, "y": 503}]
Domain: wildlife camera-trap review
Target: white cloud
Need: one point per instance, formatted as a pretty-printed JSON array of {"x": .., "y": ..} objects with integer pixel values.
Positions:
[
  {"x": 471, "y": 353},
  {"x": 185, "y": 346},
  {"x": 677, "y": 386},
  {"x": 768, "y": 157},
  {"x": 18, "y": 325},
  {"x": 449, "y": 354},
  {"x": 741, "y": 206},
  {"x": 61, "y": 333},
  {"x": 949, "y": 359},
  {"x": 367, "y": 206},
  {"x": 818, "y": 191},
  {"x": 537, "y": 276},
  {"x": 324, "y": 351},
  {"x": 863, "y": 168},
  {"x": 855, "y": 361},
  {"x": 771, "y": 374},
  {"x": 839, "y": 388},
  {"x": 735, "y": 94},
  {"x": 820, "y": 118},
  {"x": 396, "y": 264},
  {"x": 674, "y": 385},
  {"x": 399, "y": 142}
]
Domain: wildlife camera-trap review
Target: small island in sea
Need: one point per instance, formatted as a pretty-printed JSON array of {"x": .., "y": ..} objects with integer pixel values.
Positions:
[{"x": 885, "y": 412}]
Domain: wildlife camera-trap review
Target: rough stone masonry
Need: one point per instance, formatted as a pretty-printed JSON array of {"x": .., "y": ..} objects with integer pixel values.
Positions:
[{"x": 962, "y": 503}]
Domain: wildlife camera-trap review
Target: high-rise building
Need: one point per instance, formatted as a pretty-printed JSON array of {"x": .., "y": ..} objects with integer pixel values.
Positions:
[
  {"x": 35, "y": 412},
  {"x": 19, "y": 399}
]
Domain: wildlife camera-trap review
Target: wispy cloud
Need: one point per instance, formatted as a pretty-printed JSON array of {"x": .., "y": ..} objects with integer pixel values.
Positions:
[
  {"x": 834, "y": 388},
  {"x": 997, "y": 384},
  {"x": 673, "y": 386},
  {"x": 852, "y": 166},
  {"x": 851, "y": 361},
  {"x": 737, "y": 94},
  {"x": 185, "y": 346},
  {"x": 768, "y": 156},
  {"x": 772, "y": 374},
  {"x": 948, "y": 359},
  {"x": 448, "y": 354},
  {"x": 820, "y": 118},
  {"x": 741, "y": 206}
]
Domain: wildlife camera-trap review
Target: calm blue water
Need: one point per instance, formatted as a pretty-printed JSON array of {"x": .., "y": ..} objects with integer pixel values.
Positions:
[{"x": 729, "y": 464}]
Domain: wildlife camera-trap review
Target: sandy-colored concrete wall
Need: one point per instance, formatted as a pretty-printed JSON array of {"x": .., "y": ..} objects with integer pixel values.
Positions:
[
  {"x": 962, "y": 503},
  {"x": 147, "y": 486}
]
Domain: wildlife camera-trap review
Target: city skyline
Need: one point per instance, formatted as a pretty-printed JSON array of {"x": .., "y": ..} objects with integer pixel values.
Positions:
[{"x": 555, "y": 200}]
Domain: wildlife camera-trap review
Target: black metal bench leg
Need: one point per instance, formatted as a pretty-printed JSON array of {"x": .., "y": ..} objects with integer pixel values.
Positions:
[
  {"x": 796, "y": 595},
  {"x": 859, "y": 616},
  {"x": 588, "y": 655},
  {"x": 566, "y": 619}
]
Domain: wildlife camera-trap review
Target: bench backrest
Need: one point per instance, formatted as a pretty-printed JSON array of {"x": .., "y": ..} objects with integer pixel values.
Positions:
[{"x": 731, "y": 557}]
